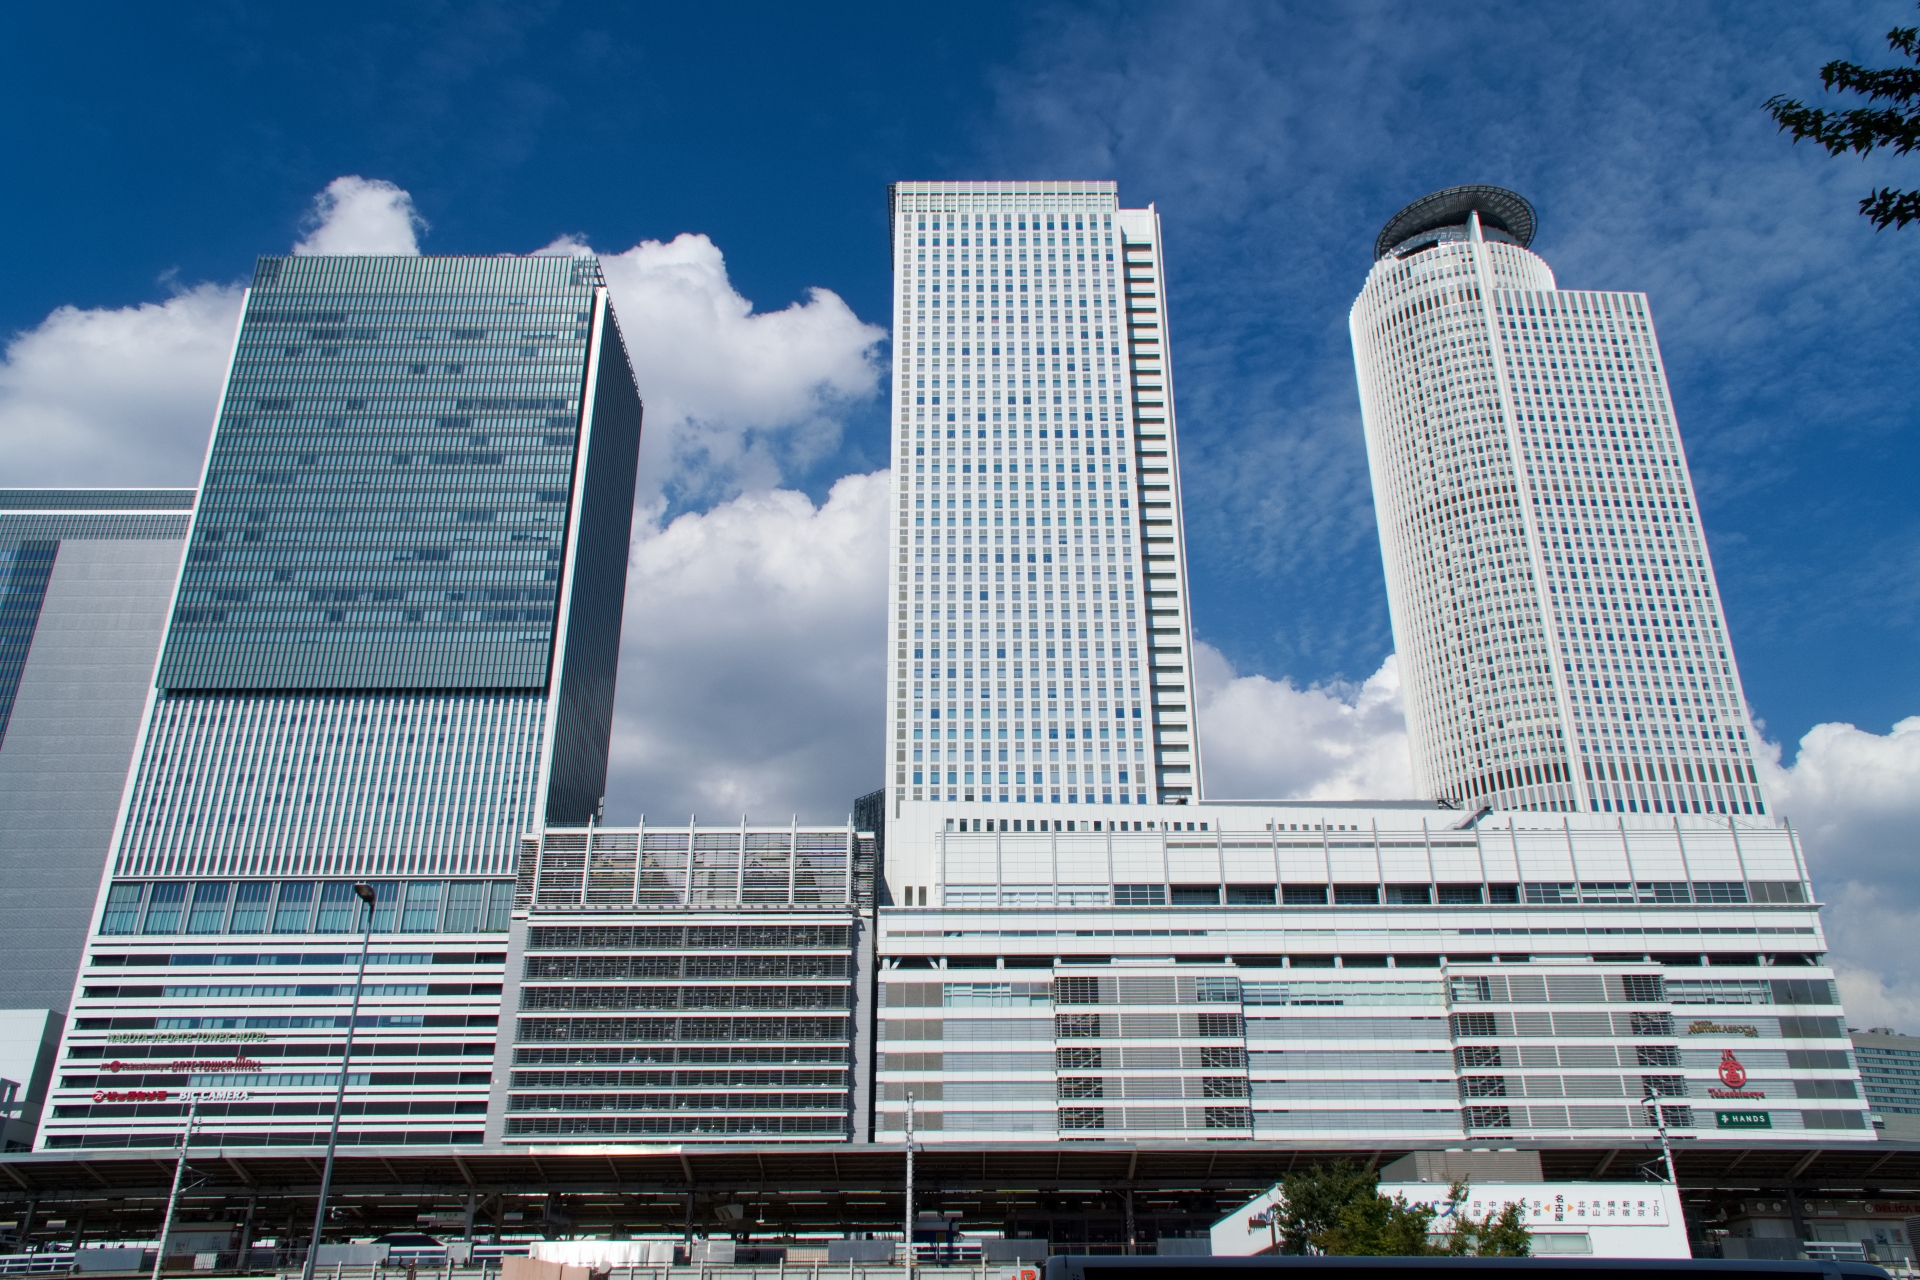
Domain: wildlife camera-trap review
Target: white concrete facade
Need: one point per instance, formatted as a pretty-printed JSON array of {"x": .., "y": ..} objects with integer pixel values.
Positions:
[
  {"x": 1560, "y": 632},
  {"x": 1354, "y": 973},
  {"x": 1039, "y": 628},
  {"x": 1072, "y": 955}
]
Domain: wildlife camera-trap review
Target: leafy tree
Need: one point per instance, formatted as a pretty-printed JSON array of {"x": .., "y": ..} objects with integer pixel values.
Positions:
[
  {"x": 1311, "y": 1200},
  {"x": 1502, "y": 1233},
  {"x": 1861, "y": 129},
  {"x": 1337, "y": 1208},
  {"x": 1373, "y": 1225}
]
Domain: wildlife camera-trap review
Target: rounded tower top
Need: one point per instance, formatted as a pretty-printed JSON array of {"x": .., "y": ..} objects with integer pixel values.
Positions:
[{"x": 1499, "y": 209}]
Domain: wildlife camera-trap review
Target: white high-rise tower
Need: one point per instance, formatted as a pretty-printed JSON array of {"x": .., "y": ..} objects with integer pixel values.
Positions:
[
  {"x": 1038, "y": 626},
  {"x": 1560, "y": 633}
]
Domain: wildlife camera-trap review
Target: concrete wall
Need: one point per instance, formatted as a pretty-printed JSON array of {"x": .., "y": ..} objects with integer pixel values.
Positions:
[{"x": 69, "y": 743}]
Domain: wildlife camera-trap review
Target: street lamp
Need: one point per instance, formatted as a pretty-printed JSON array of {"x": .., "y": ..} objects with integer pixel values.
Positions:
[
  {"x": 365, "y": 893},
  {"x": 1652, "y": 1102},
  {"x": 179, "y": 1171},
  {"x": 909, "y": 1222}
]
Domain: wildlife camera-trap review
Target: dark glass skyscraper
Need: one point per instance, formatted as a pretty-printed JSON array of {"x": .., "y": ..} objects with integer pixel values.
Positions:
[
  {"x": 396, "y": 629},
  {"x": 391, "y": 654}
]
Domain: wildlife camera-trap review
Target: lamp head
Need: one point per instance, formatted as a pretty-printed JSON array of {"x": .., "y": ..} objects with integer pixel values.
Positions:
[{"x": 364, "y": 892}]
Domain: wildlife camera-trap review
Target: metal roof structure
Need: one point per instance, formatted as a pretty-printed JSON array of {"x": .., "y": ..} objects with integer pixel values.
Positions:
[
  {"x": 792, "y": 1189},
  {"x": 1498, "y": 207}
]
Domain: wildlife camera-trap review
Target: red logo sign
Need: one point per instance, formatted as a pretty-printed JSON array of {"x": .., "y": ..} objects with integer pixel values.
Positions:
[{"x": 1732, "y": 1074}]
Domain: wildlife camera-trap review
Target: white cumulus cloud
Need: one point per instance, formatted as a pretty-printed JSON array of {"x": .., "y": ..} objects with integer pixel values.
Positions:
[
  {"x": 736, "y": 399},
  {"x": 1871, "y": 937},
  {"x": 1854, "y": 797},
  {"x": 356, "y": 215},
  {"x": 116, "y": 396},
  {"x": 1265, "y": 739},
  {"x": 752, "y": 661}
]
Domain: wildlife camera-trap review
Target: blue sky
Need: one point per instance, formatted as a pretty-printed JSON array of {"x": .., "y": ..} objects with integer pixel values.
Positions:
[
  {"x": 150, "y": 147},
  {"x": 152, "y": 151}
]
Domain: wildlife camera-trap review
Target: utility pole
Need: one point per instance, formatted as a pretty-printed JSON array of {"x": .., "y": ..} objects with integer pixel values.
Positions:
[
  {"x": 909, "y": 1223},
  {"x": 1666, "y": 1148},
  {"x": 365, "y": 893},
  {"x": 179, "y": 1171}
]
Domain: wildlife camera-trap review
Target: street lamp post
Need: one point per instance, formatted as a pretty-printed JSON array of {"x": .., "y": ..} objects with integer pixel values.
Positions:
[
  {"x": 179, "y": 1170},
  {"x": 908, "y": 1243},
  {"x": 365, "y": 893},
  {"x": 1652, "y": 1102}
]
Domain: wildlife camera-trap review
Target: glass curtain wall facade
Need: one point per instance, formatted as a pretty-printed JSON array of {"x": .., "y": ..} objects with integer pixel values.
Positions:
[
  {"x": 391, "y": 653},
  {"x": 85, "y": 580},
  {"x": 393, "y": 645},
  {"x": 1040, "y": 629},
  {"x": 1553, "y": 600}
]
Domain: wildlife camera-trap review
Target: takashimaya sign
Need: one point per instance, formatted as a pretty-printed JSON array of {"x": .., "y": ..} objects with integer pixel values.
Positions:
[
  {"x": 1733, "y": 1075},
  {"x": 201, "y": 1065}
]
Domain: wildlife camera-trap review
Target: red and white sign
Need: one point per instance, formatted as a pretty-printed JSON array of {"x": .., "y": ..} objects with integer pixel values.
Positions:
[
  {"x": 161, "y": 1095},
  {"x": 1734, "y": 1075}
]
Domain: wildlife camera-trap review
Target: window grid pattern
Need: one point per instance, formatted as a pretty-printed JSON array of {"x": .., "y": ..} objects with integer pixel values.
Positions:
[
  {"x": 131, "y": 526},
  {"x": 697, "y": 1024},
  {"x": 1042, "y": 304},
  {"x": 1640, "y": 971},
  {"x": 386, "y": 501},
  {"x": 69, "y": 500},
  {"x": 1550, "y": 584},
  {"x": 422, "y": 1046},
  {"x": 216, "y": 907},
  {"x": 319, "y": 785},
  {"x": 1891, "y": 1077},
  {"x": 26, "y": 567},
  {"x": 616, "y": 868}
]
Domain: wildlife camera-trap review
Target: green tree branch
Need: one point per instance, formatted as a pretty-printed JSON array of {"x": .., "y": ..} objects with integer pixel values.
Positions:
[{"x": 1864, "y": 129}]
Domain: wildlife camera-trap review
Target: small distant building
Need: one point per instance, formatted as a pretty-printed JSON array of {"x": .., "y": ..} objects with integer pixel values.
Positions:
[{"x": 1890, "y": 1074}]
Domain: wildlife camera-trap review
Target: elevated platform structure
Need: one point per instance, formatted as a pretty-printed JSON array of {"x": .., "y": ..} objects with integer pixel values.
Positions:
[{"x": 1095, "y": 1196}]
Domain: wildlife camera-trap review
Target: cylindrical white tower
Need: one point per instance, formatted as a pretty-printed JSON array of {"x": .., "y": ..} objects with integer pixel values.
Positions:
[{"x": 1559, "y": 631}]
